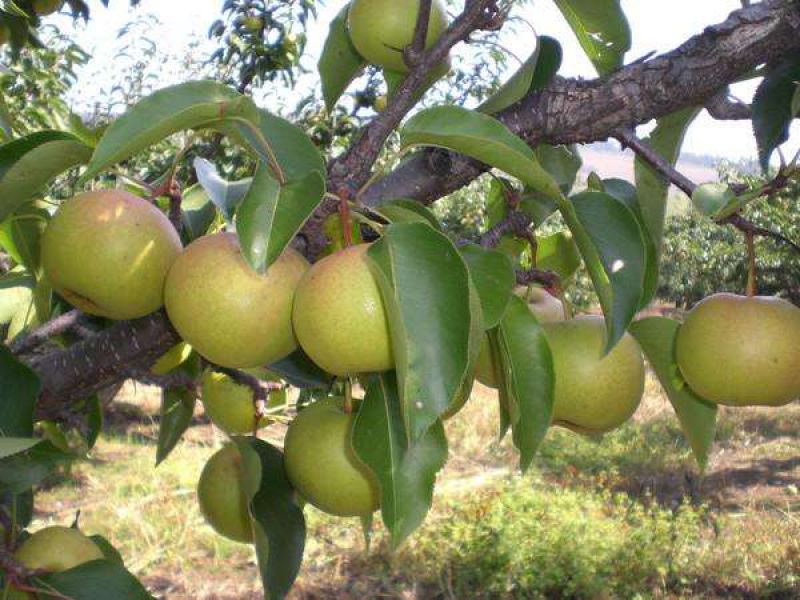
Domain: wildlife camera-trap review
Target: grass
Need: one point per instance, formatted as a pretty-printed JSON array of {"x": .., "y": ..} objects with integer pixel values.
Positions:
[{"x": 624, "y": 516}]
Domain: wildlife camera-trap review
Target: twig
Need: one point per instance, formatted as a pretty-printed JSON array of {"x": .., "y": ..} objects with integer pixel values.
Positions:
[
  {"x": 413, "y": 53},
  {"x": 546, "y": 278},
  {"x": 175, "y": 201},
  {"x": 50, "y": 329},
  {"x": 724, "y": 108},
  {"x": 750, "y": 228},
  {"x": 516, "y": 222},
  {"x": 628, "y": 139}
]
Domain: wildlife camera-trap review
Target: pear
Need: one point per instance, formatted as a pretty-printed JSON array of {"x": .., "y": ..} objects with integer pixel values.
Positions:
[
  {"x": 741, "y": 351},
  {"x": 231, "y": 314},
  {"x": 222, "y": 495},
  {"x": 321, "y": 463},
  {"x": 108, "y": 253},
  {"x": 231, "y": 406},
  {"x": 54, "y": 549},
  {"x": 381, "y": 29},
  {"x": 594, "y": 393},
  {"x": 339, "y": 317}
]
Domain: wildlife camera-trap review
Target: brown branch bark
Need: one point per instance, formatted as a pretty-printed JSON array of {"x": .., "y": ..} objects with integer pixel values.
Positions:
[{"x": 565, "y": 111}]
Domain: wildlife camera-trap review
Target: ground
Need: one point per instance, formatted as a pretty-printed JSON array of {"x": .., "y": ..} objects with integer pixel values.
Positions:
[{"x": 624, "y": 516}]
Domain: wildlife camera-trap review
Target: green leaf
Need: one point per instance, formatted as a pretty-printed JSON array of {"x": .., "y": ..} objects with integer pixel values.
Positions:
[
  {"x": 340, "y": 63},
  {"x": 534, "y": 74},
  {"x": 558, "y": 253},
  {"x": 278, "y": 520},
  {"x": 710, "y": 198},
  {"x": 96, "y": 580},
  {"x": 274, "y": 138},
  {"x": 652, "y": 189},
  {"x": 225, "y": 195},
  {"x": 405, "y": 210},
  {"x": 198, "y": 212},
  {"x": 94, "y": 420},
  {"x": 176, "y": 108},
  {"x": 394, "y": 79},
  {"x": 434, "y": 316},
  {"x": 697, "y": 417},
  {"x": 613, "y": 250},
  {"x": 177, "y": 409},
  {"x": 271, "y": 215},
  {"x": 626, "y": 193},
  {"x": 6, "y": 120},
  {"x": 20, "y": 234},
  {"x": 300, "y": 371},
  {"x": 602, "y": 30},
  {"x": 493, "y": 276},
  {"x": 29, "y": 163},
  {"x": 773, "y": 107},
  {"x": 22, "y": 471},
  {"x": 482, "y": 137},
  {"x": 528, "y": 380},
  {"x": 14, "y": 445},
  {"x": 406, "y": 470},
  {"x": 18, "y": 394}
]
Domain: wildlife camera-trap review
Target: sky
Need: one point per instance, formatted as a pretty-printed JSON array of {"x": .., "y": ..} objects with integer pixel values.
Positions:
[{"x": 657, "y": 26}]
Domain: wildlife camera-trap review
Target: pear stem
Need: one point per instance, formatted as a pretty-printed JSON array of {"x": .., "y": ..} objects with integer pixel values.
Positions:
[
  {"x": 752, "y": 285},
  {"x": 565, "y": 303},
  {"x": 347, "y": 405}
]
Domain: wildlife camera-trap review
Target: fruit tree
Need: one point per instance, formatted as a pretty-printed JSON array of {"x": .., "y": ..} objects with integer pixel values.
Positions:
[{"x": 295, "y": 273}]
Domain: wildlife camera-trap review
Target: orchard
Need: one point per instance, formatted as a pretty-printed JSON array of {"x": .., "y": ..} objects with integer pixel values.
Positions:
[{"x": 292, "y": 271}]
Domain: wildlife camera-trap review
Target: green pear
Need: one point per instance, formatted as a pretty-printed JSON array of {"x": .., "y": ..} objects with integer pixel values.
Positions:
[
  {"x": 741, "y": 351},
  {"x": 54, "y": 549},
  {"x": 231, "y": 406},
  {"x": 228, "y": 312},
  {"x": 339, "y": 316},
  {"x": 321, "y": 463},
  {"x": 594, "y": 393},
  {"x": 545, "y": 307},
  {"x": 47, "y": 7},
  {"x": 381, "y": 29},
  {"x": 172, "y": 359},
  {"x": 108, "y": 253},
  {"x": 222, "y": 494}
]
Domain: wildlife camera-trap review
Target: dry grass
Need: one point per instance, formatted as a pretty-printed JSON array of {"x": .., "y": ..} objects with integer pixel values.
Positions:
[{"x": 620, "y": 498}]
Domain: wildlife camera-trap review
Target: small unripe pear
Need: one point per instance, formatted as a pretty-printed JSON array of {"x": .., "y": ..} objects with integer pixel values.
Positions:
[
  {"x": 222, "y": 495},
  {"x": 231, "y": 314},
  {"x": 594, "y": 393},
  {"x": 339, "y": 317},
  {"x": 381, "y": 29},
  {"x": 321, "y": 463},
  {"x": 108, "y": 253},
  {"x": 741, "y": 351}
]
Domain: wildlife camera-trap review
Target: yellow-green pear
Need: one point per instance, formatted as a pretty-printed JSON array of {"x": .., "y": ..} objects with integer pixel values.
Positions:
[
  {"x": 54, "y": 549},
  {"x": 339, "y": 316},
  {"x": 227, "y": 311},
  {"x": 171, "y": 359},
  {"x": 47, "y": 7},
  {"x": 741, "y": 351},
  {"x": 593, "y": 393},
  {"x": 222, "y": 494},
  {"x": 231, "y": 406},
  {"x": 321, "y": 463},
  {"x": 108, "y": 253},
  {"x": 381, "y": 29},
  {"x": 545, "y": 307}
]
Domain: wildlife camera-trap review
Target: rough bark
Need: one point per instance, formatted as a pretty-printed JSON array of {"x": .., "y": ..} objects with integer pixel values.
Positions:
[{"x": 566, "y": 111}]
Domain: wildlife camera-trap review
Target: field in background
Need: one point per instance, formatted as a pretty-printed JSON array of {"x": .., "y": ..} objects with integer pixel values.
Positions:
[{"x": 624, "y": 516}]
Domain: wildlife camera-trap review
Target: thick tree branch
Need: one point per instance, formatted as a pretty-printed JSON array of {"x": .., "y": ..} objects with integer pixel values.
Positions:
[
  {"x": 575, "y": 111},
  {"x": 37, "y": 337}
]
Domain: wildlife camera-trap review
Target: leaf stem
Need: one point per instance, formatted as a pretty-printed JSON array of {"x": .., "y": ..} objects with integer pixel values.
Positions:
[{"x": 347, "y": 405}]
